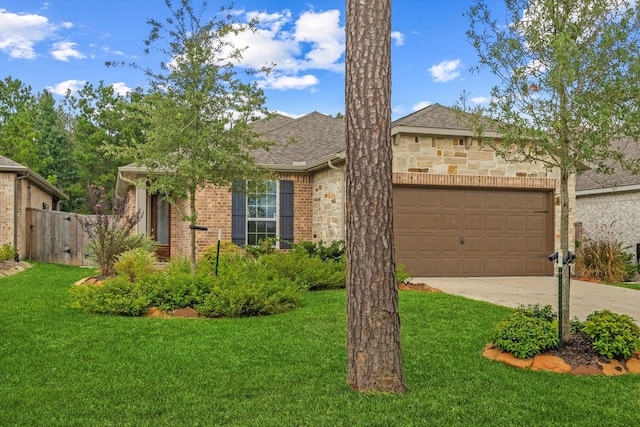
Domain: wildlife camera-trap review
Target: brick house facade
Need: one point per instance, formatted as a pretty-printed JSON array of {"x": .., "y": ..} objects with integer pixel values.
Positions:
[
  {"x": 431, "y": 152},
  {"x": 21, "y": 188}
]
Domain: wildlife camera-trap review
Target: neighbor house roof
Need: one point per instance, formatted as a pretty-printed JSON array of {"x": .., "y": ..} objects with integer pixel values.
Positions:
[
  {"x": 8, "y": 165},
  {"x": 590, "y": 181}
]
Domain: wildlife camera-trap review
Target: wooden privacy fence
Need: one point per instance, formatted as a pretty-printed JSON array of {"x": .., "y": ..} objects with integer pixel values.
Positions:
[{"x": 55, "y": 237}]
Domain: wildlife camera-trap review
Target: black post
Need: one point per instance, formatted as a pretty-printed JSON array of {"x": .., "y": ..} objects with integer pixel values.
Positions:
[{"x": 218, "y": 251}]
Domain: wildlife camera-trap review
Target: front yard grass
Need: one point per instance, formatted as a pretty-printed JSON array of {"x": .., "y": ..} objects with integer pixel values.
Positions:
[{"x": 61, "y": 366}]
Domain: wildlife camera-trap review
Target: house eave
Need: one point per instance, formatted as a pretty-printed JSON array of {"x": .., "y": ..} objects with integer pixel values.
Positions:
[
  {"x": 419, "y": 130},
  {"x": 35, "y": 178},
  {"x": 608, "y": 190}
]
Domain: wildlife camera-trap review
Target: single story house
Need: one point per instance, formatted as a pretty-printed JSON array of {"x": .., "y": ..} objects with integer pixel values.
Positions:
[
  {"x": 608, "y": 205},
  {"x": 22, "y": 188},
  {"x": 459, "y": 209}
]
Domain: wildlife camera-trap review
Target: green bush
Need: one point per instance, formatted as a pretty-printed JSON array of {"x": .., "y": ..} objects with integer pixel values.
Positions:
[
  {"x": 7, "y": 252},
  {"x": 615, "y": 336},
  {"x": 528, "y": 331},
  {"x": 227, "y": 249},
  {"x": 335, "y": 251},
  {"x": 135, "y": 263},
  {"x": 306, "y": 272},
  {"x": 115, "y": 296},
  {"x": 178, "y": 289},
  {"x": 251, "y": 299},
  {"x": 264, "y": 247}
]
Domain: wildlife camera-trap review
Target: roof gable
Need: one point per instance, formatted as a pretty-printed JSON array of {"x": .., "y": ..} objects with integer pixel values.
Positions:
[
  {"x": 592, "y": 180},
  {"x": 8, "y": 165}
]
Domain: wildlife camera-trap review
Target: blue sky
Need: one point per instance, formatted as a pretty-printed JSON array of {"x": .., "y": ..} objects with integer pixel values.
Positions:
[{"x": 61, "y": 44}]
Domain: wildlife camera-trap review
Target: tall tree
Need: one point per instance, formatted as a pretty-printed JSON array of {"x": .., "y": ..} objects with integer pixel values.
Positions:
[
  {"x": 198, "y": 109},
  {"x": 18, "y": 135},
  {"x": 54, "y": 143},
  {"x": 568, "y": 73},
  {"x": 98, "y": 118},
  {"x": 373, "y": 332}
]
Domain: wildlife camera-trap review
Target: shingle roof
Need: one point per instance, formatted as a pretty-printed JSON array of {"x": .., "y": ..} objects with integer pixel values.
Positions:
[
  {"x": 304, "y": 140},
  {"x": 434, "y": 116},
  {"x": 9, "y": 165},
  {"x": 591, "y": 180}
]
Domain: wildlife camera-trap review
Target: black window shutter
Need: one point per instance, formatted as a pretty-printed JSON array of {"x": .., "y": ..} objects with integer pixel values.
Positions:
[
  {"x": 286, "y": 214},
  {"x": 238, "y": 214}
]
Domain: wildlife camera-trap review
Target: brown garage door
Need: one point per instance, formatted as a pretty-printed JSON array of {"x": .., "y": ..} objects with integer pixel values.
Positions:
[{"x": 473, "y": 232}]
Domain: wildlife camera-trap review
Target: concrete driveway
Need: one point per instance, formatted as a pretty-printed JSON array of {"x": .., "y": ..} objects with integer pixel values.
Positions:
[{"x": 585, "y": 297}]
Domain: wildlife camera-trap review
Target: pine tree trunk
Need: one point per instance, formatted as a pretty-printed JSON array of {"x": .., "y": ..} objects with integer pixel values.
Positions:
[{"x": 373, "y": 335}]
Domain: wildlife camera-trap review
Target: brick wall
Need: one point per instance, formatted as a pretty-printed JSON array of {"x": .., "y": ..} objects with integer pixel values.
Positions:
[{"x": 6, "y": 207}]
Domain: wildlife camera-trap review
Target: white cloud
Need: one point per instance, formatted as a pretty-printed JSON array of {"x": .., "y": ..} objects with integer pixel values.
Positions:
[
  {"x": 445, "y": 71},
  {"x": 67, "y": 25},
  {"x": 19, "y": 33},
  {"x": 62, "y": 51},
  {"x": 290, "y": 82},
  {"x": 397, "y": 37},
  {"x": 121, "y": 88},
  {"x": 420, "y": 105},
  {"x": 107, "y": 49},
  {"x": 480, "y": 100},
  {"x": 62, "y": 87}
]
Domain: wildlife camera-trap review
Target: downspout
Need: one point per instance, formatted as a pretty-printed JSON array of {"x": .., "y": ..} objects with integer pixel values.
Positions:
[
  {"x": 15, "y": 209},
  {"x": 343, "y": 231}
]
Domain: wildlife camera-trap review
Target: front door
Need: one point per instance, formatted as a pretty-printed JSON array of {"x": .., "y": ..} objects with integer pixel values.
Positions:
[{"x": 160, "y": 226}]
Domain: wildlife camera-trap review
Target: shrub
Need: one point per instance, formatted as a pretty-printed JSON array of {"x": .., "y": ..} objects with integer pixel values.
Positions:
[
  {"x": 227, "y": 249},
  {"x": 251, "y": 299},
  {"x": 116, "y": 296},
  {"x": 306, "y": 272},
  {"x": 603, "y": 257},
  {"x": 7, "y": 252},
  {"x": 615, "y": 336},
  {"x": 108, "y": 228},
  {"x": 332, "y": 252},
  {"x": 134, "y": 263},
  {"x": 177, "y": 289},
  {"x": 402, "y": 276},
  {"x": 526, "y": 332}
]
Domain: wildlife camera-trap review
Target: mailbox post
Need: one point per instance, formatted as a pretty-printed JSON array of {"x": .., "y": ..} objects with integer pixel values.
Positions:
[{"x": 567, "y": 260}]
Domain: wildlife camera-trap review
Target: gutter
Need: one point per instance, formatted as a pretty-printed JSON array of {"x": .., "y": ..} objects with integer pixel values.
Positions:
[{"x": 607, "y": 190}]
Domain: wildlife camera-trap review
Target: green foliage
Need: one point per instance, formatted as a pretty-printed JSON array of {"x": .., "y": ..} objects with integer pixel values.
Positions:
[
  {"x": 603, "y": 256},
  {"x": 177, "y": 289},
  {"x": 577, "y": 327},
  {"x": 118, "y": 296},
  {"x": 228, "y": 249},
  {"x": 308, "y": 272},
  {"x": 7, "y": 252},
  {"x": 333, "y": 252},
  {"x": 615, "y": 336},
  {"x": 264, "y": 247},
  {"x": 527, "y": 332},
  {"x": 251, "y": 298},
  {"x": 109, "y": 228},
  {"x": 402, "y": 276},
  {"x": 134, "y": 263}
]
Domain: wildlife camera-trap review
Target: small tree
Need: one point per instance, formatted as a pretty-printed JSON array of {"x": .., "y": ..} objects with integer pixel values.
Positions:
[
  {"x": 109, "y": 228},
  {"x": 198, "y": 110},
  {"x": 568, "y": 73}
]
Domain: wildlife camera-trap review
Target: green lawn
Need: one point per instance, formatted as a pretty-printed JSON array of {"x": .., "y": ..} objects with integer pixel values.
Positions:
[{"x": 60, "y": 366}]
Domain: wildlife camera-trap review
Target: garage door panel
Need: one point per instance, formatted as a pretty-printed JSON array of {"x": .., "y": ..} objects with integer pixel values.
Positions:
[{"x": 506, "y": 232}]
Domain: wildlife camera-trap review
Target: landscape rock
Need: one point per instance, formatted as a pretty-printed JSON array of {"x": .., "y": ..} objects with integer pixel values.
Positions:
[
  {"x": 550, "y": 363},
  {"x": 587, "y": 370},
  {"x": 633, "y": 365},
  {"x": 155, "y": 312},
  {"x": 491, "y": 353},
  {"x": 613, "y": 368},
  {"x": 511, "y": 360}
]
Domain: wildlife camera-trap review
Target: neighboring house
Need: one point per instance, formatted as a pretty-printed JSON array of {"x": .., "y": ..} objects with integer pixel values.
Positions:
[
  {"x": 22, "y": 188},
  {"x": 608, "y": 205},
  {"x": 459, "y": 210}
]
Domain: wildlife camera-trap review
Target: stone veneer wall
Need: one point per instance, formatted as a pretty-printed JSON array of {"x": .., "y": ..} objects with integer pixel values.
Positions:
[
  {"x": 329, "y": 205},
  {"x": 616, "y": 213},
  {"x": 6, "y": 208},
  {"x": 448, "y": 162}
]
